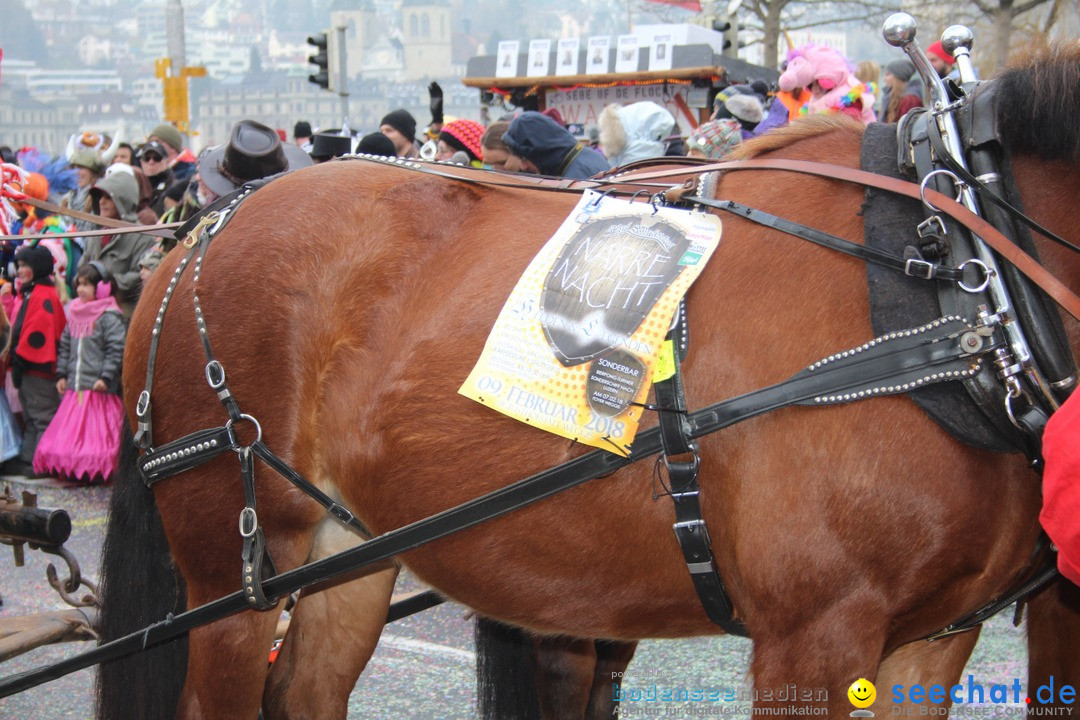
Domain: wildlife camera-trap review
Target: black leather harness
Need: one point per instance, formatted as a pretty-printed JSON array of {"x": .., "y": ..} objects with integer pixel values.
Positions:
[{"x": 951, "y": 347}]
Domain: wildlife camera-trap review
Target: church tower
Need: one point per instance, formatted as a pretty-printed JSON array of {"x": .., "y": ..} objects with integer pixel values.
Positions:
[
  {"x": 361, "y": 30},
  {"x": 425, "y": 27}
]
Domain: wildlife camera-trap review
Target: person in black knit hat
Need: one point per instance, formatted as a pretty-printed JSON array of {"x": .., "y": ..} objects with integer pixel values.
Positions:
[{"x": 400, "y": 127}]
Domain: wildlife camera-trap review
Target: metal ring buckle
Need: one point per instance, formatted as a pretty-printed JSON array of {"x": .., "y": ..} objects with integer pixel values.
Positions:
[
  {"x": 986, "y": 275},
  {"x": 248, "y": 514},
  {"x": 143, "y": 404},
  {"x": 232, "y": 434},
  {"x": 940, "y": 171},
  {"x": 214, "y": 367}
]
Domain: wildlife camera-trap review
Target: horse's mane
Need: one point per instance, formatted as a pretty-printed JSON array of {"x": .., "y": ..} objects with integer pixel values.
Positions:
[
  {"x": 807, "y": 127},
  {"x": 1038, "y": 100}
]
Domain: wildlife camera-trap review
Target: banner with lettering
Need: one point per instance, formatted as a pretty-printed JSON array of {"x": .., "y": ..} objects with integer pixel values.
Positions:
[{"x": 574, "y": 348}]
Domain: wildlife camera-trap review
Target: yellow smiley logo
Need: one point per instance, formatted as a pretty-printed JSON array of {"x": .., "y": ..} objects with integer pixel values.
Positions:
[{"x": 862, "y": 693}]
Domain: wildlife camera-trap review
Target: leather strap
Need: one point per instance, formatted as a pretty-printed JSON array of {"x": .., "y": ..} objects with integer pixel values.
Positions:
[
  {"x": 145, "y": 229},
  {"x": 497, "y": 503},
  {"x": 1053, "y": 287},
  {"x": 257, "y": 565},
  {"x": 942, "y": 153},
  {"x": 682, "y": 462},
  {"x": 159, "y": 230},
  {"x": 914, "y": 267}
]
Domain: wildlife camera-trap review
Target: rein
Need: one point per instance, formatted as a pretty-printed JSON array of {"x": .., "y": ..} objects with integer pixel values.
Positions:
[
  {"x": 949, "y": 348},
  {"x": 931, "y": 353},
  {"x": 1053, "y": 287},
  {"x": 118, "y": 227}
]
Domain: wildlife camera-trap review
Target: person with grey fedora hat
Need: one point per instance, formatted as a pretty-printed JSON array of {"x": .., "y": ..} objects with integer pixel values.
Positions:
[{"x": 254, "y": 151}]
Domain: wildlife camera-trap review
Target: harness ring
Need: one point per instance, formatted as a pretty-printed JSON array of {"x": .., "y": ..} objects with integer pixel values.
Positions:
[
  {"x": 232, "y": 434},
  {"x": 987, "y": 272},
  {"x": 940, "y": 171}
]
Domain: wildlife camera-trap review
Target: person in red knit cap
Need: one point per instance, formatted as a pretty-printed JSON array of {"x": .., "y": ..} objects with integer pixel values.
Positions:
[
  {"x": 1060, "y": 515},
  {"x": 462, "y": 136},
  {"x": 941, "y": 61}
]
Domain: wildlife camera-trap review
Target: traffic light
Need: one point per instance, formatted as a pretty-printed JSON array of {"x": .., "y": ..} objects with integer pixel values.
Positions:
[
  {"x": 324, "y": 73},
  {"x": 724, "y": 24}
]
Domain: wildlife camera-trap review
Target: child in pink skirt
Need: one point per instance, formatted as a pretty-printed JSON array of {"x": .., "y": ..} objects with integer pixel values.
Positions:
[{"x": 82, "y": 440}]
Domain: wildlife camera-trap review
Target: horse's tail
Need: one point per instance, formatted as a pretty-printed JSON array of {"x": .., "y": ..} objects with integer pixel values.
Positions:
[
  {"x": 139, "y": 586},
  {"x": 505, "y": 684}
]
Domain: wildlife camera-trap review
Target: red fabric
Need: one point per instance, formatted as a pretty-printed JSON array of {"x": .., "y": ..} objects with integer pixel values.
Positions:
[
  {"x": 687, "y": 4},
  {"x": 1060, "y": 515},
  {"x": 907, "y": 104},
  {"x": 39, "y": 320},
  {"x": 938, "y": 50}
]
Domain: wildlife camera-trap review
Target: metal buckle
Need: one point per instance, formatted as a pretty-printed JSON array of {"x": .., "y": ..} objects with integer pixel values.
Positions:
[
  {"x": 925, "y": 268},
  {"x": 143, "y": 404},
  {"x": 215, "y": 368},
  {"x": 248, "y": 514},
  {"x": 931, "y": 227}
]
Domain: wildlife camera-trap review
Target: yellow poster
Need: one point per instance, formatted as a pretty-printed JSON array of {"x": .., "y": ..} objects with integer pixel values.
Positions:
[{"x": 575, "y": 347}]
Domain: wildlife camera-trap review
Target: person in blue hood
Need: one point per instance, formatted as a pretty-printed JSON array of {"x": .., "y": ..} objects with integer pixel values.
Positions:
[{"x": 547, "y": 148}]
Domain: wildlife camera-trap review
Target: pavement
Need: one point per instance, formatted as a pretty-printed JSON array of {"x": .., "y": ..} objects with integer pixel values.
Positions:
[{"x": 424, "y": 665}]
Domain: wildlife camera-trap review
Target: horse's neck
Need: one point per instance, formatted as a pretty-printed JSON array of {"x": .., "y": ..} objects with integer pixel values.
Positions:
[{"x": 1050, "y": 189}]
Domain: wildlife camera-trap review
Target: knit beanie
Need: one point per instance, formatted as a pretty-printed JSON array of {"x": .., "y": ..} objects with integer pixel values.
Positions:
[
  {"x": 716, "y": 137},
  {"x": 38, "y": 259},
  {"x": 401, "y": 121},
  {"x": 169, "y": 135},
  {"x": 938, "y": 50},
  {"x": 464, "y": 135},
  {"x": 902, "y": 68},
  {"x": 376, "y": 144}
]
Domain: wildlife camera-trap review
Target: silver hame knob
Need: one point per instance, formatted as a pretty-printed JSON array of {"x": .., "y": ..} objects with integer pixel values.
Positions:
[
  {"x": 957, "y": 36},
  {"x": 899, "y": 29}
]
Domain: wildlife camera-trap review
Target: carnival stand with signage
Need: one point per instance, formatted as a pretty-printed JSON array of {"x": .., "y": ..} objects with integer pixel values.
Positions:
[{"x": 679, "y": 67}]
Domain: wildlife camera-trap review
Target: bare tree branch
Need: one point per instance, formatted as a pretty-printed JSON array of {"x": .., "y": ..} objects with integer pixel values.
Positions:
[{"x": 1030, "y": 5}]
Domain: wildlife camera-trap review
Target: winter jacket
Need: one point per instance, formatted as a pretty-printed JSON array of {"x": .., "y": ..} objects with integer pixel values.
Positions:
[
  {"x": 120, "y": 253},
  {"x": 552, "y": 149},
  {"x": 97, "y": 356}
]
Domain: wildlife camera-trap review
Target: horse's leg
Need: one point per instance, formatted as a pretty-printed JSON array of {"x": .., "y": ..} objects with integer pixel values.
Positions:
[
  {"x": 1053, "y": 629},
  {"x": 227, "y": 666},
  {"x": 333, "y": 632},
  {"x": 612, "y": 659},
  {"x": 564, "y": 668},
  {"x": 227, "y": 659},
  {"x": 823, "y": 653},
  {"x": 923, "y": 663}
]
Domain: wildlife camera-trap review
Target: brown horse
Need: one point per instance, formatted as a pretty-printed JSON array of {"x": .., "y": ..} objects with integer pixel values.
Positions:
[{"x": 844, "y": 535}]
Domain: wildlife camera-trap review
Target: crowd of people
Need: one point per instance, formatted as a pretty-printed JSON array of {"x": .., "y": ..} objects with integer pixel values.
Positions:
[{"x": 66, "y": 299}]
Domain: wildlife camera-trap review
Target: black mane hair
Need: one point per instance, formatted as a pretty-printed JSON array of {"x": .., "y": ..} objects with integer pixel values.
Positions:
[{"x": 1038, "y": 99}]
